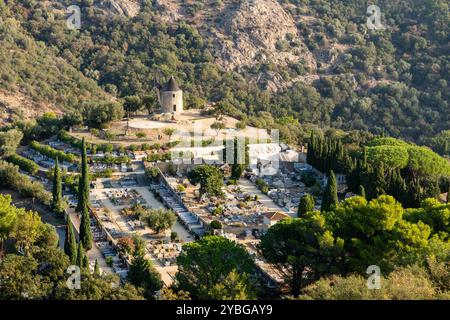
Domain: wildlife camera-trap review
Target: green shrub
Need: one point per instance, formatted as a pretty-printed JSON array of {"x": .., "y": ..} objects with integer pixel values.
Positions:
[
  {"x": 109, "y": 261},
  {"x": 10, "y": 177},
  {"x": 215, "y": 224},
  {"x": 152, "y": 172},
  {"x": 24, "y": 163},
  {"x": 53, "y": 153}
]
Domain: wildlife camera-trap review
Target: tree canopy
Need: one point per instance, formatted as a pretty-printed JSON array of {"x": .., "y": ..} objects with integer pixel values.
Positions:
[
  {"x": 357, "y": 233},
  {"x": 228, "y": 279},
  {"x": 210, "y": 179},
  {"x": 302, "y": 246},
  {"x": 158, "y": 219}
]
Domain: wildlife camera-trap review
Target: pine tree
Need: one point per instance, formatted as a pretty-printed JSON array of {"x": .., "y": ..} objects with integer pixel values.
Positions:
[
  {"x": 83, "y": 183},
  {"x": 379, "y": 181},
  {"x": 80, "y": 255},
  {"x": 70, "y": 244},
  {"x": 306, "y": 204},
  {"x": 330, "y": 197},
  {"x": 362, "y": 191},
  {"x": 57, "y": 202},
  {"x": 85, "y": 230},
  {"x": 96, "y": 268}
]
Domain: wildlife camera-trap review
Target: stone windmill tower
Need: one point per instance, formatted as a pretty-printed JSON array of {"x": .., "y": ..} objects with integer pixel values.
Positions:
[{"x": 170, "y": 97}]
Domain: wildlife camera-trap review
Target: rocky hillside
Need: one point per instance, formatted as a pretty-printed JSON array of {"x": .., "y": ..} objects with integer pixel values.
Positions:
[
  {"x": 129, "y": 8},
  {"x": 245, "y": 33}
]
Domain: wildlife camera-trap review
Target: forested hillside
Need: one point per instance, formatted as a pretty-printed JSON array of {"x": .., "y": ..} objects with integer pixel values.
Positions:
[
  {"x": 328, "y": 69},
  {"x": 34, "y": 79}
]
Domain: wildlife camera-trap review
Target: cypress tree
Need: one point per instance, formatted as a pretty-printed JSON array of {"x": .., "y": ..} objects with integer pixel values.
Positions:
[
  {"x": 85, "y": 230},
  {"x": 430, "y": 188},
  {"x": 340, "y": 150},
  {"x": 353, "y": 177},
  {"x": 96, "y": 268},
  {"x": 86, "y": 263},
  {"x": 142, "y": 273},
  {"x": 414, "y": 195},
  {"x": 83, "y": 183},
  {"x": 330, "y": 197},
  {"x": 379, "y": 181},
  {"x": 236, "y": 171},
  {"x": 70, "y": 244},
  {"x": 348, "y": 163},
  {"x": 323, "y": 155},
  {"x": 306, "y": 205},
  {"x": 362, "y": 191},
  {"x": 81, "y": 203},
  {"x": 57, "y": 202},
  {"x": 310, "y": 151},
  {"x": 237, "y": 168},
  {"x": 364, "y": 158},
  {"x": 325, "y": 160},
  {"x": 417, "y": 193},
  {"x": 397, "y": 187},
  {"x": 80, "y": 255}
]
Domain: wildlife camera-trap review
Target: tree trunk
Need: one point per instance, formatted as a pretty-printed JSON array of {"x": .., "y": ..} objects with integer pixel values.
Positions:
[
  {"x": 296, "y": 279},
  {"x": 128, "y": 125}
]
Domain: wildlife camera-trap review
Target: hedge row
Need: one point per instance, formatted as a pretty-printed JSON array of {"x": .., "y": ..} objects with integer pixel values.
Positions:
[
  {"x": 53, "y": 153},
  {"x": 24, "y": 163},
  {"x": 108, "y": 147}
]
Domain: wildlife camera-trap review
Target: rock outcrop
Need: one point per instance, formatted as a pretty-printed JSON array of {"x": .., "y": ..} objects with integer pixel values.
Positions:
[
  {"x": 244, "y": 33},
  {"x": 129, "y": 8},
  {"x": 255, "y": 32}
]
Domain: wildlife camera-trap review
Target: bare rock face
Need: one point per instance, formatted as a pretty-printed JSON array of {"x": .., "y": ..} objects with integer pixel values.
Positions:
[
  {"x": 170, "y": 9},
  {"x": 258, "y": 31},
  {"x": 244, "y": 33},
  {"x": 128, "y": 8}
]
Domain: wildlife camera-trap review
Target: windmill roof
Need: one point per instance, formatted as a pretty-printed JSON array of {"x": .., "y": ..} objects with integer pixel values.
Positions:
[{"x": 171, "y": 85}]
